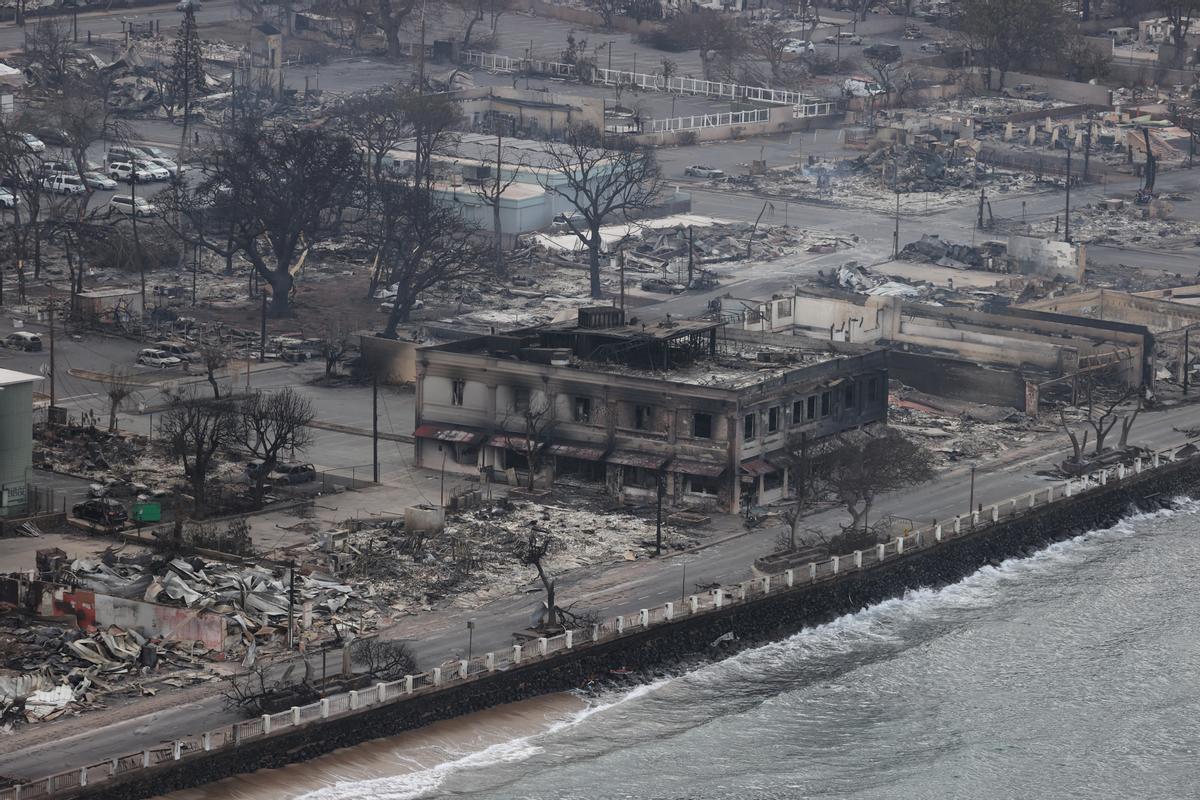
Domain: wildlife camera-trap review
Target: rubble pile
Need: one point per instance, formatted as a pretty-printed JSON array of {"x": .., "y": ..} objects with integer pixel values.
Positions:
[
  {"x": 476, "y": 557},
  {"x": 960, "y": 431},
  {"x": 87, "y": 451},
  {"x": 929, "y": 181},
  {"x": 254, "y": 598},
  {"x": 58, "y": 670},
  {"x": 1120, "y": 223}
]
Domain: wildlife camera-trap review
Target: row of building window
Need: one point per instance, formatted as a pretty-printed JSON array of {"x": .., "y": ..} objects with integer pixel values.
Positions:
[{"x": 805, "y": 409}]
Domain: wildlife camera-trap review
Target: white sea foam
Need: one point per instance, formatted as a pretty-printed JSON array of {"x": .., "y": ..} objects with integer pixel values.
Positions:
[{"x": 415, "y": 784}]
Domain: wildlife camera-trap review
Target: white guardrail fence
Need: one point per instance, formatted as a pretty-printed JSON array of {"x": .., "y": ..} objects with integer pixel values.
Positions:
[
  {"x": 481, "y": 667},
  {"x": 805, "y": 105}
]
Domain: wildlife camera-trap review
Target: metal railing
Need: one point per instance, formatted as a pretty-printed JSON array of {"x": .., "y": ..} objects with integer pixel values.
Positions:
[
  {"x": 481, "y": 667},
  {"x": 698, "y": 121}
]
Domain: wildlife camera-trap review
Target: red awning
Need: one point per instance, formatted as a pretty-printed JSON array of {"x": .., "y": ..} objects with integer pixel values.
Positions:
[
  {"x": 628, "y": 459},
  {"x": 577, "y": 451},
  {"x": 757, "y": 467},
  {"x": 707, "y": 469},
  {"x": 445, "y": 434},
  {"x": 513, "y": 441}
]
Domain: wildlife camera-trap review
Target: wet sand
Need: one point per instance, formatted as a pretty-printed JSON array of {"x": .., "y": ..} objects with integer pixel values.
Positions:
[{"x": 408, "y": 763}]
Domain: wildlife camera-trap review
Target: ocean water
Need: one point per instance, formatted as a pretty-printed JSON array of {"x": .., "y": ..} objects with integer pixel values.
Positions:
[{"x": 1071, "y": 673}]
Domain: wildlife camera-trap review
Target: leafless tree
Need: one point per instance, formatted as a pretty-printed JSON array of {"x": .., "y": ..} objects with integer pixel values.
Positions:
[
  {"x": 608, "y": 10},
  {"x": 472, "y": 12},
  {"x": 537, "y": 429},
  {"x": 118, "y": 386},
  {"x": 337, "y": 340},
  {"x": 534, "y": 553},
  {"x": 214, "y": 355},
  {"x": 277, "y": 190},
  {"x": 384, "y": 659},
  {"x": 255, "y": 693},
  {"x": 425, "y": 243},
  {"x": 856, "y": 467},
  {"x": 377, "y": 122},
  {"x": 769, "y": 40},
  {"x": 602, "y": 184},
  {"x": 492, "y": 191},
  {"x": 389, "y": 16},
  {"x": 195, "y": 431},
  {"x": 49, "y": 49},
  {"x": 1103, "y": 416},
  {"x": 714, "y": 35},
  {"x": 270, "y": 424},
  {"x": 1179, "y": 14},
  {"x": 1127, "y": 423},
  {"x": 1007, "y": 34}
]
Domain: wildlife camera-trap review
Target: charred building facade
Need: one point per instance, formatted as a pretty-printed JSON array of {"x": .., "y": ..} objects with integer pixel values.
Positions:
[{"x": 710, "y": 419}]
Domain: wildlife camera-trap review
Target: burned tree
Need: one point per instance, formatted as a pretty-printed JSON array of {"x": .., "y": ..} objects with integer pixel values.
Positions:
[
  {"x": 602, "y": 184},
  {"x": 1008, "y": 34},
  {"x": 118, "y": 387},
  {"x": 534, "y": 553},
  {"x": 269, "y": 424},
  {"x": 537, "y": 428},
  {"x": 425, "y": 243},
  {"x": 214, "y": 356},
  {"x": 337, "y": 340},
  {"x": 187, "y": 79},
  {"x": 855, "y": 468},
  {"x": 490, "y": 192},
  {"x": 277, "y": 190},
  {"x": 195, "y": 431},
  {"x": 384, "y": 659},
  {"x": 377, "y": 122}
]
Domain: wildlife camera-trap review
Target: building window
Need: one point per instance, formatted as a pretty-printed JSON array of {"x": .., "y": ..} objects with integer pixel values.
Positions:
[
  {"x": 643, "y": 417},
  {"x": 873, "y": 389},
  {"x": 850, "y": 396},
  {"x": 797, "y": 412},
  {"x": 697, "y": 484},
  {"x": 773, "y": 419},
  {"x": 773, "y": 481},
  {"x": 748, "y": 427},
  {"x": 702, "y": 426},
  {"x": 520, "y": 400},
  {"x": 457, "y": 389},
  {"x": 583, "y": 409},
  {"x": 811, "y": 408},
  {"x": 640, "y": 478},
  {"x": 825, "y": 402}
]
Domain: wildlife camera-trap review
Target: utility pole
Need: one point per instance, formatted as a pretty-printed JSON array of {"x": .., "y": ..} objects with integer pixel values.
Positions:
[
  {"x": 291, "y": 603},
  {"x": 1087, "y": 149},
  {"x": 971, "y": 502},
  {"x": 1186, "y": 348},
  {"x": 1067, "y": 215},
  {"x": 982, "y": 200},
  {"x": 691, "y": 253},
  {"x": 661, "y": 486},
  {"x": 53, "y": 312},
  {"x": 375, "y": 427},
  {"x": 262, "y": 335},
  {"x": 896, "y": 232},
  {"x": 470, "y": 638},
  {"x": 133, "y": 216},
  {"x": 195, "y": 269}
]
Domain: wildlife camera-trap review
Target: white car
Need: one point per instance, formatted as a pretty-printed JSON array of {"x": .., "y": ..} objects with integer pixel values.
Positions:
[
  {"x": 701, "y": 171},
  {"x": 62, "y": 183},
  {"x": 7, "y": 199},
  {"x": 155, "y": 172},
  {"x": 157, "y": 358},
  {"x": 124, "y": 171},
  {"x": 98, "y": 180},
  {"x": 162, "y": 158},
  {"x": 35, "y": 144},
  {"x": 844, "y": 38},
  {"x": 132, "y": 206},
  {"x": 798, "y": 47}
]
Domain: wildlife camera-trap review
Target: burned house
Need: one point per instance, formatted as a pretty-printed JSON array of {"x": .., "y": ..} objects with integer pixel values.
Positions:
[{"x": 632, "y": 406}]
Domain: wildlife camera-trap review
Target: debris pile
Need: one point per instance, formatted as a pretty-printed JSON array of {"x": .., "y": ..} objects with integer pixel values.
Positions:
[
  {"x": 477, "y": 556},
  {"x": 1119, "y": 223},
  {"x": 60, "y": 669},
  {"x": 957, "y": 430}
]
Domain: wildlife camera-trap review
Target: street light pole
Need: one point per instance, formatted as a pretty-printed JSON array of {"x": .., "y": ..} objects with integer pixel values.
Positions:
[
  {"x": 971, "y": 501},
  {"x": 470, "y": 639},
  {"x": 662, "y": 489}
]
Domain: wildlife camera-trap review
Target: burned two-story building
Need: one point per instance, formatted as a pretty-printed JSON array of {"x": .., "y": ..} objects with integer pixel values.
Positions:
[{"x": 630, "y": 406}]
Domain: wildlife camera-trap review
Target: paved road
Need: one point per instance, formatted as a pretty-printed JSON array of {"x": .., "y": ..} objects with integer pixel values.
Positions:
[{"x": 12, "y": 36}]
